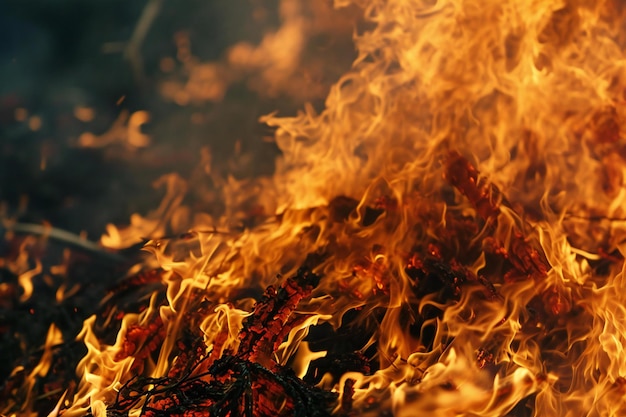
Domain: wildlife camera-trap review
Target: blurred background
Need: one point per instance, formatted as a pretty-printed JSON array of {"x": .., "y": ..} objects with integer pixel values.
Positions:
[{"x": 99, "y": 98}]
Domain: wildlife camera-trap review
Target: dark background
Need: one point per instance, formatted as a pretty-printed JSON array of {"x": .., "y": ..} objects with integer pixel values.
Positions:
[{"x": 52, "y": 61}]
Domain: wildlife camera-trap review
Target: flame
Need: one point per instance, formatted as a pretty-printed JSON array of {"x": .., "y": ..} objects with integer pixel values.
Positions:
[
  {"x": 456, "y": 195},
  {"x": 24, "y": 266},
  {"x": 125, "y": 130},
  {"x": 278, "y": 65}
]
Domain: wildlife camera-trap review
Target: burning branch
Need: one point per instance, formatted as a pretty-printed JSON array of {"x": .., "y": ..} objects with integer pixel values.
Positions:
[
  {"x": 265, "y": 329},
  {"x": 465, "y": 177},
  {"x": 243, "y": 383},
  {"x": 526, "y": 261}
]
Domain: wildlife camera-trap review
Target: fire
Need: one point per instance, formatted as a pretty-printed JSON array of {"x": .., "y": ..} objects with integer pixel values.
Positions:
[{"x": 445, "y": 237}]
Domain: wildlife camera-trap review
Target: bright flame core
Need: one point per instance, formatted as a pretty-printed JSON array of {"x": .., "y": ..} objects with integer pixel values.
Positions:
[{"x": 483, "y": 289}]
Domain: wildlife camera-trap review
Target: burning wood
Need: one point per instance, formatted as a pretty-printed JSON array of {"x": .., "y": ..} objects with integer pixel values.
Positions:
[
  {"x": 417, "y": 282},
  {"x": 247, "y": 382}
]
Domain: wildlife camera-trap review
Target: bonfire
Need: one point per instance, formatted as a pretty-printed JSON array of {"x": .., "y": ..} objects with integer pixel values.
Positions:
[{"x": 444, "y": 238}]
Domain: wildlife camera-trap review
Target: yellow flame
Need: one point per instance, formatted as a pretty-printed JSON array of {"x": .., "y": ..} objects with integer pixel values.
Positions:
[
  {"x": 532, "y": 93},
  {"x": 125, "y": 130}
]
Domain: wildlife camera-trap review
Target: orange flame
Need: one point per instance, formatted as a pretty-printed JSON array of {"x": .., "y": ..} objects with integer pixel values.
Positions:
[{"x": 455, "y": 196}]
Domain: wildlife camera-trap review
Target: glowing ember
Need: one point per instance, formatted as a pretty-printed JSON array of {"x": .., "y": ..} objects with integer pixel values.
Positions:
[{"x": 440, "y": 240}]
